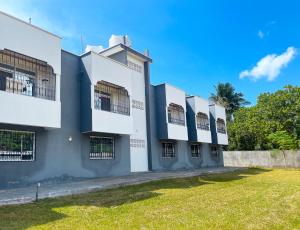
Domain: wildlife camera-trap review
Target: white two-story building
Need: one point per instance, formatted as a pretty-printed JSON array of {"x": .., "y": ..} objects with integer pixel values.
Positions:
[{"x": 95, "y": 114}]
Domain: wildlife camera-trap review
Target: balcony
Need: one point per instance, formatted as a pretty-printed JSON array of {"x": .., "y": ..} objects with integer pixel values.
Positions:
[
  {"x": 27, "y": 91},
  {"x": 111, "y": 98},
  {"x": 105, "y": 98},
  {"x": 218, "y": 124},
  {"x": 171, "y": 111},
  {"x": 198, "y": 119}
]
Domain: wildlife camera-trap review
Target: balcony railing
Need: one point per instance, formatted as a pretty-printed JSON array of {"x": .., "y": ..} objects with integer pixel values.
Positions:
[
  {"x": 111, "y": 98},
  {"x": 114, "y": 108},
  {"x": 221, "y": 127},
  {"x": 28, "y": 87},
  {"x": 176, "y": 121},
  {"x": 203, "y": 126},
  {"x": 21, "y": 74},
  {"x": 221, "y": 130}
]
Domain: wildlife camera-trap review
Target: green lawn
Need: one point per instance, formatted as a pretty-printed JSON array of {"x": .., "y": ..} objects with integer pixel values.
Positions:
[{"x": 251, "y": 199}]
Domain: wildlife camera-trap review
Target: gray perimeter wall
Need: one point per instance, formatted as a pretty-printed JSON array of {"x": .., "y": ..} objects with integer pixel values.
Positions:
[{"x": 275, "y": 158}]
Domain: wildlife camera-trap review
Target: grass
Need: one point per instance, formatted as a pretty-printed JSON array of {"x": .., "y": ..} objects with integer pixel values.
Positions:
[{"x": 250, "y": 199}]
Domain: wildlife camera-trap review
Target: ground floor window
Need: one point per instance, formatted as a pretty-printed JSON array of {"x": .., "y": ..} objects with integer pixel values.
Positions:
[
  {"x": 17, "y": 145},
  {"x": 102, "y": 148},
  {"x": 216, "y": 150},
  {"x": 168, "y": 149},
  {"x": 196, "y": 150}
]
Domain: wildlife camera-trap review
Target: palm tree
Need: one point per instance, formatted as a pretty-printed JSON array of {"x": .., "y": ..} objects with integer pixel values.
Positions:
[{"x": 225, "y": 95}]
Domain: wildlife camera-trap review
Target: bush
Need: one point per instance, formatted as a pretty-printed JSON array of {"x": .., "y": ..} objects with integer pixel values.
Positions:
[{"x": 282, "y": 140}]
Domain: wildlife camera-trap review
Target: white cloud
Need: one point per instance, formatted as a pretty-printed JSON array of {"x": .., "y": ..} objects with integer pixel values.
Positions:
[
  {"x": 270, "y": 65},
  {"x": 261, "y": 34}
]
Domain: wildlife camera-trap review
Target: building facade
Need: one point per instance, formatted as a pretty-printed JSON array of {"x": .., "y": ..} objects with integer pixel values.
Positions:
[{"x": 94, "y": 115}]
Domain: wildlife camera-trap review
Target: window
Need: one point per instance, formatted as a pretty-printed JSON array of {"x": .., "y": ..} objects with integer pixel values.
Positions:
[
  {"x": 112, "y": 98},
  {"x": 216, "y": 150},
  {"x": 202, "y": 121},
  {"x": 21, "y": 74},
  {"x": 221, "y": 128},
  {"x": 196, "y": 150},
  {"x": 17, "y": 145},
  {"x": 168, "y": 150},
  {"x": 176, "y": 114},
  {"x": 101, "y": 148},
  {"x": 134, "y": 66}
]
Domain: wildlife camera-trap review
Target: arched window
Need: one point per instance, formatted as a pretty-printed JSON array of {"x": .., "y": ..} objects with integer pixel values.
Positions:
[
  {"x": 202, "y": 121},
  {"x": 176, "y": 114},
  {"x": 221, "y": 127},
  {"x": 112, "y": 98},
  {"x": 25, "y": 75}
]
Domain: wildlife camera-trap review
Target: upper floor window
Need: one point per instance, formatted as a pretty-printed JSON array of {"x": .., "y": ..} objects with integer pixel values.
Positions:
[
  {"x": 17, "y": 145},
  {"x": 134, "y": 66},
  {"x": 221, "y": 127},
  {"x": 25, "y": 75},
  {"x": 176, "y": 114},
  {"x": 168, "y": 150},
  {"x": 196, "y": 150},
  {"x": 102, "y": 148},
  {"x": 202, "y": 121},
  {"x": 111, "y": 98}
]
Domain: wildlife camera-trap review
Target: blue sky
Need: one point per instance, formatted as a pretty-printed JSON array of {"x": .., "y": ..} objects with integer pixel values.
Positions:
[{"x": 194, "y": 44}]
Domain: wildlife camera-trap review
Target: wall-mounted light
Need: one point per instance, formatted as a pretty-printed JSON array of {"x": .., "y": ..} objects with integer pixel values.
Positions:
[{"x": 70, "y": 138}]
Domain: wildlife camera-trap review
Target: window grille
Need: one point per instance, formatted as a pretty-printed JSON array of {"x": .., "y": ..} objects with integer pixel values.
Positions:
[
  {"x": 202, "y": 121},
  {"x": 111, "y": 98},
  {"x": 135, "y": 67},
  {"x": 196, "y": 150},
  {"x": 176, "y": 114},
  {"x": 137, "y": 143},
  {"x": 216, "y": 150},
  {"x": 24, "y": 75},
  {"x": 102, "y": 148},
  {"x": 138, "y": 104},
  {"x": 168, "y": 150},
  {"x": 221, "y": 127},
  {"x": 17, "y": 145}
]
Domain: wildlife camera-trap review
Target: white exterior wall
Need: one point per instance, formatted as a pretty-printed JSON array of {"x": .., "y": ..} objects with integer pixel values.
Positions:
[
  {"x": 201, "y": 105},
  {"x": 100, "y": 68},
  {"x": 220, "y": 113},
  {"x": 138, "y": 154},
  {"x": 39, "y": 44},
  {"x": 176, "y": 96},
  {"x": 25, "y": 110}
]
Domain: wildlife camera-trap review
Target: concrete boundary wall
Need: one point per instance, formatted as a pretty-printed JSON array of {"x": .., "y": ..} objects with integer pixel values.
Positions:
[{"x": 272, "y": 158}]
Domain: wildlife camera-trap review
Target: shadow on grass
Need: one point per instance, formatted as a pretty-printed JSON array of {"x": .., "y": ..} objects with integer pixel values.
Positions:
[
  {"x": 29, "y": 215},
  {"x": 226, "y": 177}
]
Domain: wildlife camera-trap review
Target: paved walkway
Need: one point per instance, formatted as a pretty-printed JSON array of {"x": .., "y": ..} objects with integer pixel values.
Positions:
[{"x": 27, "y": 194}]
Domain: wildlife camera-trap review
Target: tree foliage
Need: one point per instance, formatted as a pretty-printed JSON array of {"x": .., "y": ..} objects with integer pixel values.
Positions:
[
  {"x": 274, "y": 122},
  {"x": 225, "y": 95}
]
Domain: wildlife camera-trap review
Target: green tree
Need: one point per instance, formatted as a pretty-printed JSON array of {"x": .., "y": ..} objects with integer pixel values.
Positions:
[
  {"x": 225, "y": 95},
  {"x": 274, "y": 122}
]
